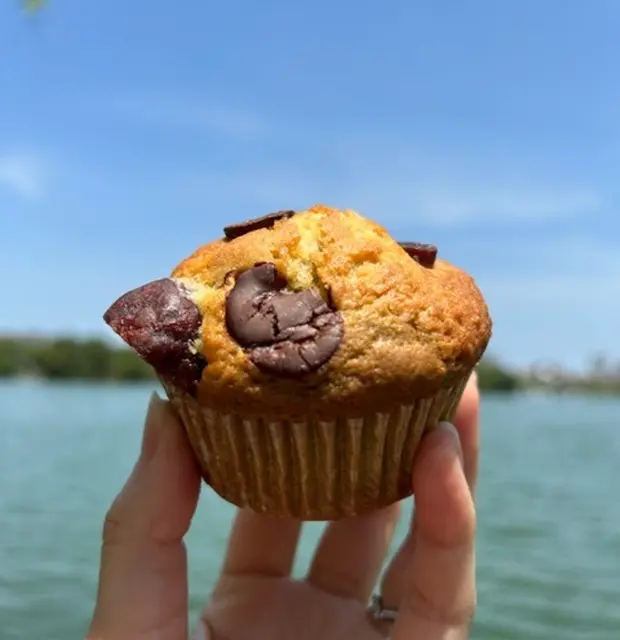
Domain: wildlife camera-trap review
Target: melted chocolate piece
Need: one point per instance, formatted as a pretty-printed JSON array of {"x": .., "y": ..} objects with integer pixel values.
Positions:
[
  {"x": 159, "y": 322},
  {"x": 425, "y": 254},
  {"x": 287, "y": 333},
  {"x": 264, "y": 222}
]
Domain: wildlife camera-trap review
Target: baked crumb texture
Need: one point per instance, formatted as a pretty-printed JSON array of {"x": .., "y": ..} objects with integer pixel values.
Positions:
[{"x": 408, "y": 330}]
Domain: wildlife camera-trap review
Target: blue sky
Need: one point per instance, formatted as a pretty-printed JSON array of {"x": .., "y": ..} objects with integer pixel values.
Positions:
[{"x": 130, "y": 132}]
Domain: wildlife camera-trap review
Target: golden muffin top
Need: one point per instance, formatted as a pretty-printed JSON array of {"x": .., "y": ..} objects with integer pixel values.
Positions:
[{"x": 308, "y": 312}]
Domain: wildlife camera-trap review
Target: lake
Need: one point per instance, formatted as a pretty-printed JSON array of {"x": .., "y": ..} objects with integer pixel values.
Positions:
[{"x": 548, "y": 503}]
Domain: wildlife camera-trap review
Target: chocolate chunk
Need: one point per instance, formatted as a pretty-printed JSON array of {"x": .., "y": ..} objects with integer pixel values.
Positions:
[
  {"x": 159, "y": 321},
  {"x": 425, "y": 254},
  {"x": 264, "y": 222},
  {"x": 287, "y": 333}
]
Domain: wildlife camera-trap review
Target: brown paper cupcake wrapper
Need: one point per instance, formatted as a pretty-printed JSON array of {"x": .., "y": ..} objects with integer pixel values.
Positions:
[{"x": 311, "y": 469}]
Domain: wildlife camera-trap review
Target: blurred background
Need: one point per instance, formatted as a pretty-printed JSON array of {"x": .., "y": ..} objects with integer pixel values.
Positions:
[{"x": 131, "y": 132}]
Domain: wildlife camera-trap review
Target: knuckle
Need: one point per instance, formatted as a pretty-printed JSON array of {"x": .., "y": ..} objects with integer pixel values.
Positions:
[
  {"x": 459, "y": 613},
  {"x": 337, "y": 582},
  {"x": 113, "y": 528}
]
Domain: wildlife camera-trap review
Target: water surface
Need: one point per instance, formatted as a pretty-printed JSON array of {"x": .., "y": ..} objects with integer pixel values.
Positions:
[{"x": 548, "y": 501}]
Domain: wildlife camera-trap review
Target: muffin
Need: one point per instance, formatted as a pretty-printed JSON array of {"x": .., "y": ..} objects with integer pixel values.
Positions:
[{"x": 305, "y": 354}]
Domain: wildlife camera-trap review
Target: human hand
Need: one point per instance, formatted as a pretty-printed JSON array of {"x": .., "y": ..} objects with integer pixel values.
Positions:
[{"x": 143, "y": 592}]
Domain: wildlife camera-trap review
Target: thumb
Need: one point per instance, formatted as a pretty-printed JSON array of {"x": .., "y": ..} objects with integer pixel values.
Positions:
[
  {"x": 440, "y": 594},
  {"x": 143, "y": 574}
]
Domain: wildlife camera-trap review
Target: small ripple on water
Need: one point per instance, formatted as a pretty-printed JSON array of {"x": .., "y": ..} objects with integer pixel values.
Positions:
[
  {"x": 549, "y": 531},
  {"x": 544, "y": 619}
]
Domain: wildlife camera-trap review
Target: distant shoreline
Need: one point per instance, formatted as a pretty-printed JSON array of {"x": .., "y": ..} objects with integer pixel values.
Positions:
[
  {"x": 150, "y": 385},
  {"x": 94, "y": 360}
]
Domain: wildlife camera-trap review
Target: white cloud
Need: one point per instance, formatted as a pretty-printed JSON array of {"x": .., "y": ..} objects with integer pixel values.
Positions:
[
  {"x": 448, "y": 184},
  {"x": 21, "y": 173},
  {"x": 393, "y": 198},
  {"x": 567, "y": 274},
  {"x": 389, "y": 178},
  {"x": 449, "y": 192},
  {"x": 393, "y": 180},
  {"x": 253, "y": 188},
  {"x": 554, "y": 290},
  {"x": 452, "y": 204},
  {"x": 194, "y": 115},
  {"x": 553, "y": 299}
]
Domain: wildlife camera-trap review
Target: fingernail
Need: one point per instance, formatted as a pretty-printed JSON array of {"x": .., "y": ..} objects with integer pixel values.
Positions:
[
  {"x": 452, "y": 430},
  {"x": 152, "y": 427},
  {"x": 473, "y": 379},
  {"x": 200, "y": 632}
]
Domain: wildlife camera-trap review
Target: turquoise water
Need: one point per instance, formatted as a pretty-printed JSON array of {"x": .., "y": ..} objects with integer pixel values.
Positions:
[{"x": 549, "y": 510}]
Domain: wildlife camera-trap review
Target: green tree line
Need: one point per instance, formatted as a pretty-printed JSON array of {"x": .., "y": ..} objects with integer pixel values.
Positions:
[
  {"x": 492, "y": 376},
  {"x": 70, "y": 359},
  {"x": 97, "y": 360}
]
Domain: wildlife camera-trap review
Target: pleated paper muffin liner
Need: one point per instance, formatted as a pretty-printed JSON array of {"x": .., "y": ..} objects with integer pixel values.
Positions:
[{"x": 311, "y": 469}]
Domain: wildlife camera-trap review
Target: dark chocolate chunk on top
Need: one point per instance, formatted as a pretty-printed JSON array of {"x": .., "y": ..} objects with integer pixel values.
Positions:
[
  {"x": 287, "y": 333},
  {"x": 425, "y": 254},
  {"x": 264, "y": 222},
  {"x": 159, "y": 321}
]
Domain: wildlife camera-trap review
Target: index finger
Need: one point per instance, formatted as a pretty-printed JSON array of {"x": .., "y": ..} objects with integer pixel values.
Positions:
[
  {"x": 440, "y": 590},
  {"x": 467, "y": 423}
]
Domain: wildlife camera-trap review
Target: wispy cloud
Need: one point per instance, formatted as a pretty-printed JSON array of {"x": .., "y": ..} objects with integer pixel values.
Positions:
[
  {"x": 555, "y": 299},
  {"x": 254, "y": 187},
  {"x": 195, "y": 115},
  {"x": 456, "y": 186},
  {"x": 394, "y": 198},
  {"x": 393, "y": 178},
  {"x": 569, "y": 274},
  {"x": 559, "y": 291},
  {"x": 450, "y": 204},
  {"x": 21, "y": 173}
]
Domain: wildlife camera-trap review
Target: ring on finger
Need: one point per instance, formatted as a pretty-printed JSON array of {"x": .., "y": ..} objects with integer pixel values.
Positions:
[{"x": 379, "y": 612}]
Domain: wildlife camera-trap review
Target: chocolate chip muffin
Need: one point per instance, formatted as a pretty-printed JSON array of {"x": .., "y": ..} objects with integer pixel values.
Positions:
[{"x": 305, "y": 353}]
